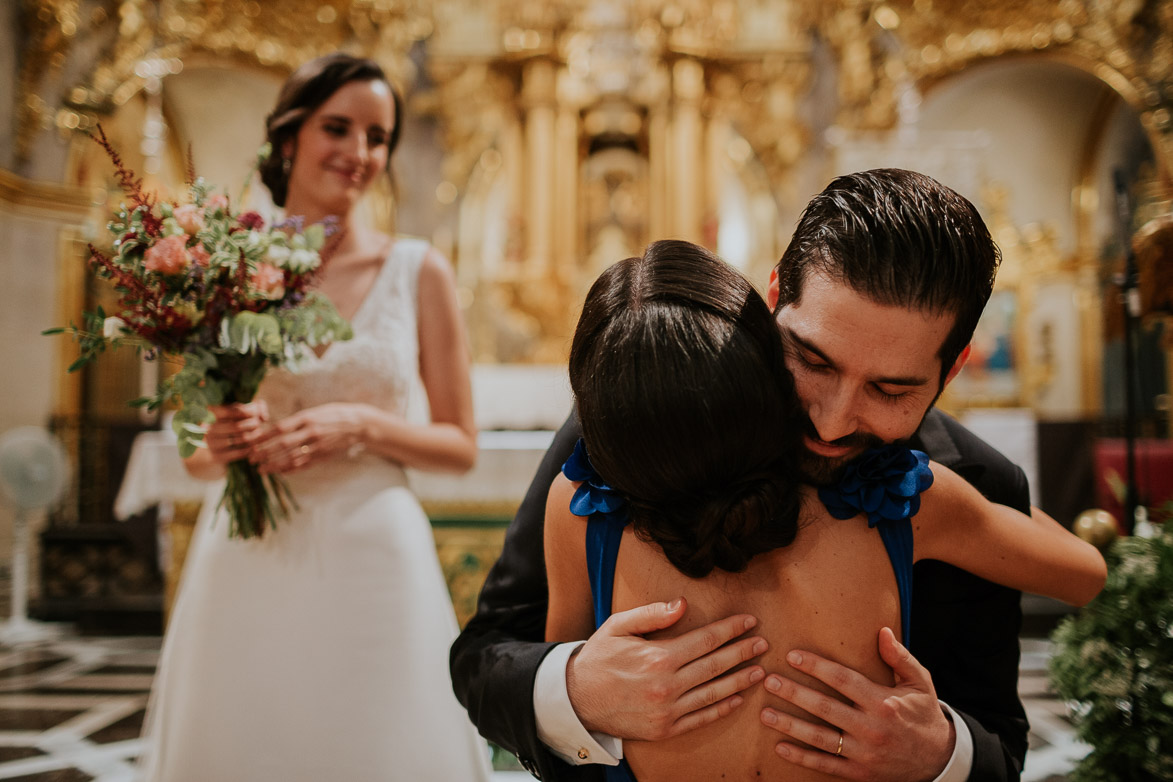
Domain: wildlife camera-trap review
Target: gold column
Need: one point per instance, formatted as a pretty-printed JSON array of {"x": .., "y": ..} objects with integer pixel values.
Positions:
[
  {"x": 566, "y": 179},
  {"x": 716, "y": 140},
  {"x": 688, "y": 85},
  {"x": 537, "y": 95},
  {"x": 658, "y": 168}
]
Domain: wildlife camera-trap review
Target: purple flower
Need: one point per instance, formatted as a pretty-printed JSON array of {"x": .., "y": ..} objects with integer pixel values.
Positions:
[
  {"x": 594, "y": 495},
  {"x": 884, "y": 483},
  {"x": 297, "y": 222}
]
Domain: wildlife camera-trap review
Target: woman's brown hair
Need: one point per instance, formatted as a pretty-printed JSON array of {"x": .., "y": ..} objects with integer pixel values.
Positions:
[{"x": 687, "y": 408}]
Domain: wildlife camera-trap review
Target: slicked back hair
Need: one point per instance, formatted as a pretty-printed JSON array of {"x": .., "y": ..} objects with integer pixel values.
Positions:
[{"x": 901, "y": 239}]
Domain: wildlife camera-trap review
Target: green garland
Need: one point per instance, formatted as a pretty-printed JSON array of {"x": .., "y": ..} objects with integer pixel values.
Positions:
[{"x": 1113, "y": 662}]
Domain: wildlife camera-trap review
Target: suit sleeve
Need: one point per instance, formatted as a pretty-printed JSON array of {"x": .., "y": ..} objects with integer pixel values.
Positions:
[
  {"x": 969, "y": 629},
  {"x": 495, "y": 658}
]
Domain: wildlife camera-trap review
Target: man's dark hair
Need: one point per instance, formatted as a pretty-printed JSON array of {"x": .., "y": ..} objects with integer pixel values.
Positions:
[
  {"x": 304, "y": 91},
  {"x": 687, "y": 408},
  {"x": 899, "y": 238}
]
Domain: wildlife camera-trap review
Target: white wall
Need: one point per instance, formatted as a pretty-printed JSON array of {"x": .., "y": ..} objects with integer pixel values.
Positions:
[{"x": 1037, "y": 117}]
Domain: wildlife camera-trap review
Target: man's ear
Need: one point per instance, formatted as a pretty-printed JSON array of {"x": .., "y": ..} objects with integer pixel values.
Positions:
[
  {"x": 958, "y": 364},
  {"x": 772, "y": 290}
]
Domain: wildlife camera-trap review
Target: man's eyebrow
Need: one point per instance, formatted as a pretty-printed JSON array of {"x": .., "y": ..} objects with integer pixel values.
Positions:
[
  {"x": 895, "y": 380},
  {"x": 809, "y": 347}
]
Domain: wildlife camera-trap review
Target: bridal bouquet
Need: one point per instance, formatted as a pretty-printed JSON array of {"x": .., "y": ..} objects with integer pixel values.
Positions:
[{"x": 224, "y": 294}]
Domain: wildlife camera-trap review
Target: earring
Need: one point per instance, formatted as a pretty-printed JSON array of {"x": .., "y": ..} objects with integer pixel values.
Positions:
[{"x": 286, "y": 165}]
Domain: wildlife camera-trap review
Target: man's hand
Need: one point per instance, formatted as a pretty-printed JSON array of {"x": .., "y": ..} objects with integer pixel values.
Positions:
[
  {"x": 626, "y": 686},
  {"x": 897, "y": 733}
]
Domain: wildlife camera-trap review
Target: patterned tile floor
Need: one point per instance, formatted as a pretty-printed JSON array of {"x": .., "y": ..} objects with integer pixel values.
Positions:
[{"x": 71, "y": 711}]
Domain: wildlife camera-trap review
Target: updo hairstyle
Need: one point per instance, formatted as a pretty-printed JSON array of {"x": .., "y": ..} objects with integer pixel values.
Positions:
[
  {"x": 304, "y": 91},
  {"x": 687, "y": 408}
]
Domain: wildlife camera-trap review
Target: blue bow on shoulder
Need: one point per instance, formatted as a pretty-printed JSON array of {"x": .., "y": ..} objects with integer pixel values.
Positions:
[
  {"x": 594, "y": 495},
  {"x": 885, "y": 483}
]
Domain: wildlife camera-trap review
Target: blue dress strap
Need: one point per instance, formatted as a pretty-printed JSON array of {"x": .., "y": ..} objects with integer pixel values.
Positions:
[
  {"x": 886, "y": 484},
  {"x": 606, "y": 517},
  {"x": 602, "y": 550},
  {"x": 897, "y": 537}
]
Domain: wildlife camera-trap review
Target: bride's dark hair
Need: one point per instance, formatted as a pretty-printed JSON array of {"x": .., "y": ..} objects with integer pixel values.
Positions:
[
  {"x": 304, "y": 91},
  {"x": 687, "y": 408}
]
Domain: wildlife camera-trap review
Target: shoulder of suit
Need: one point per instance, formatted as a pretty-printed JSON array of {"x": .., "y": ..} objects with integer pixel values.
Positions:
[{"x": 949, "y": 442}]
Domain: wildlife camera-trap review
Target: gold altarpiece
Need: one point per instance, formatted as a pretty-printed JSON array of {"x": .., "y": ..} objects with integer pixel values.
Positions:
[{"x": 574, "y": 132}]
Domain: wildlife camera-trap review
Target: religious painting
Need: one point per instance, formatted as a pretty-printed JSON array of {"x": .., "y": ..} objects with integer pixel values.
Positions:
[{"x": 991, "y": 377}]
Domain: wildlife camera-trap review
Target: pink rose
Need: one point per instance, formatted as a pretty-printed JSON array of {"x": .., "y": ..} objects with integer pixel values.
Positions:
[
  {"x": 168, "y": 256},
  {"x": 190, "y": 218},
  {"x": 215, "y": 202},
  {"x": 199, "y": 254},
  {"x": 269, "y": 281}
]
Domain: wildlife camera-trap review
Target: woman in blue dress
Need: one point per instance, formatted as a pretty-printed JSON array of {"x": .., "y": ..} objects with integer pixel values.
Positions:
[{"x": 686, "y": 484}]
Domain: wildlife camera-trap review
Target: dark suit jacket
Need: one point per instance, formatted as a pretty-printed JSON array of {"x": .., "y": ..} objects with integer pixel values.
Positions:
[{"x": 964, "y": 629}]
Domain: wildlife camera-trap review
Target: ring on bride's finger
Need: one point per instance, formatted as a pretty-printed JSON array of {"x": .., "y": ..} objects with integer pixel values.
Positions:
[
  {"x": 305, "y": 449},
  {"x": 839, "y": 749}
]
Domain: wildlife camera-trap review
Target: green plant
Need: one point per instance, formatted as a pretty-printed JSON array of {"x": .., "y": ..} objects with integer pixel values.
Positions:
[{"x": 1113, "y": 662}]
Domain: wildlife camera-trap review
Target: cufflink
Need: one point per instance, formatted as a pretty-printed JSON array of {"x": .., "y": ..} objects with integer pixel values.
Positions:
[{"x": 583, "y": 754}]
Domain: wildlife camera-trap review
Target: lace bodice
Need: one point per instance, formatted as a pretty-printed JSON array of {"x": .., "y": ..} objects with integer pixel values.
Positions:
[{"x": 380, "y": 364}]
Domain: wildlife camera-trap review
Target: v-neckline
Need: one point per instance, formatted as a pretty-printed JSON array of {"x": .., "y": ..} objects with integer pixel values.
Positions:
[{"x": 370, "y": 294}]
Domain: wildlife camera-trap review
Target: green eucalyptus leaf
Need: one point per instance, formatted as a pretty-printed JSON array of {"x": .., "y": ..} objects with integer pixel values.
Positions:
[{"x": 315, "y": 236}]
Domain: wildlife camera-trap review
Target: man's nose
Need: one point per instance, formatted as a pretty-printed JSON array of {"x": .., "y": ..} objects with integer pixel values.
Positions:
[{"x": 833, "y": 413}]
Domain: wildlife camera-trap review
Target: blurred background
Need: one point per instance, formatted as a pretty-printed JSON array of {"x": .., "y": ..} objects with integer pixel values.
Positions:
[{"x": 545, "y": 140}]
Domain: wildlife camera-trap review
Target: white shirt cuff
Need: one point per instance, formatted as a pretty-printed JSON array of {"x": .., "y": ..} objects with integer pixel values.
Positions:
[
  {"x": 959, "y": 766},
  {"x": 558, "y": 726}
]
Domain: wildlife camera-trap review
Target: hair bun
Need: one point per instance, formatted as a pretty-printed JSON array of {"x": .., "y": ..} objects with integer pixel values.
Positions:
[{"x": 758, "y": 514}]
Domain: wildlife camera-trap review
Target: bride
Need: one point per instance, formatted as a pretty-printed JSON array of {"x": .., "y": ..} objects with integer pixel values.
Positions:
[
  {"x": 687, "y": 477},
  {"x": 319, "y": 651}
]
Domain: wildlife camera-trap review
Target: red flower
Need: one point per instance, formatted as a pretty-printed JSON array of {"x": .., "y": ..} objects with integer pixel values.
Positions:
[{"x": 251, "y": 220}]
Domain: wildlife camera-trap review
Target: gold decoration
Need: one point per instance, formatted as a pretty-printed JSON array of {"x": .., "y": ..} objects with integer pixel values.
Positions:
[
  {"x": 279, "y": 34},
  {"x": 49, "y": 27},
  {"x": 1097, "y": 527},
  {"x": 1153, "y": 245},
  {"x": 1128, "y": 45},
  {"x": 44, "y": 199},
  {"x": 583, "y": 107},
  {"x": 526, "y": 91}
]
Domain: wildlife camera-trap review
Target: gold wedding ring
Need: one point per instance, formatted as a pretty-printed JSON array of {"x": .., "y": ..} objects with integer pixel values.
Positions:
[
  {"x": 839, "y": 749},
  {"x": 304, "y": 450}
]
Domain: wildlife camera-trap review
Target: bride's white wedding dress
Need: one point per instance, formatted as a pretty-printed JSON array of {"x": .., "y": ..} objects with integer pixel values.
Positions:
[{"x": 320, "y": 651}]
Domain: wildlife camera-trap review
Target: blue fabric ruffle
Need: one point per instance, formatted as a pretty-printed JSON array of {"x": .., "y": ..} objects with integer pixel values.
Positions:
[
  {"x": 883, "y": 483},
  {"x": 593, "y": 495}
]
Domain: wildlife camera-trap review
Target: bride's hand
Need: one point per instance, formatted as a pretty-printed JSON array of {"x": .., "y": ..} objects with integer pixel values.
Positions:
[
  {"x": 307, "y": 437},
  {"x": 237, "y": 426}
]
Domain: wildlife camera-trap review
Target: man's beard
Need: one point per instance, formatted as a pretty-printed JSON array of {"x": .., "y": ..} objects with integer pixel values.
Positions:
[{"x": 824, "y": 470}]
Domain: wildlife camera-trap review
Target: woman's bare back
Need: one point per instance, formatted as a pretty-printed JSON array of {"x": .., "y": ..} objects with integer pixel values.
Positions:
[{"x": 829, "y": 592}]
